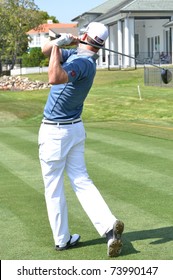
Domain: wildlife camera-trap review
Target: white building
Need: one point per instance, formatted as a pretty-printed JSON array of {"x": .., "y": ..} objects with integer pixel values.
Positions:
[
  {"x": 138, "y": 28},
  {"x": 40, "y": 34}
]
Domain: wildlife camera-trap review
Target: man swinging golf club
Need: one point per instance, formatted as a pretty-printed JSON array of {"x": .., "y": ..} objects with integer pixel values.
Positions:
[{"x": 62, "y": 137}]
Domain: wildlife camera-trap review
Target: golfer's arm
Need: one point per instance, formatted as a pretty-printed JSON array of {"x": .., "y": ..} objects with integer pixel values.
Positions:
[
  {"x": 47, "y": 48},
  {"x": 56, "y": 74}
]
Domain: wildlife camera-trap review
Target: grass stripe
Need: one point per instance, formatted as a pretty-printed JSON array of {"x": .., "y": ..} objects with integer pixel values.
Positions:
[
  {"x": 25, "y": 133},
  {"x": 130, "y": 170},
  {"x": 134, "y": 142},
  {"x": 23, "y": 217},
  {"x": 155, "y": 163},
  {"x": 24, "y": 167},
  {"x": 132, "y": 190}
]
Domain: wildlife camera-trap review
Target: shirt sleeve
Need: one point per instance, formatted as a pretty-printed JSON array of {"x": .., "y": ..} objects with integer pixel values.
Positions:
[
  {"x": 78, "y": 69},
  {"x": 66, "y": 53}
]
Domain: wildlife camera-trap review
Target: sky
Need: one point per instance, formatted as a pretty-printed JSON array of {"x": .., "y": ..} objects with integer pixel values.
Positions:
[{"x": 66, "y": 10}]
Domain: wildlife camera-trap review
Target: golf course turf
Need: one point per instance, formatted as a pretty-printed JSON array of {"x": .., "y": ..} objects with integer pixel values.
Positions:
[{"x": 129, "y": 156}]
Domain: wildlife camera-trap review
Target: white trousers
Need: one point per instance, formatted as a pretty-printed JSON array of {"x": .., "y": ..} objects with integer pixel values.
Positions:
[{"x": 61, "y": 148}]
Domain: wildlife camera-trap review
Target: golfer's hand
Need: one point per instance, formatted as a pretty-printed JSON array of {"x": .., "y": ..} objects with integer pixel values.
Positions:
[{"x": 65, "y": 39}]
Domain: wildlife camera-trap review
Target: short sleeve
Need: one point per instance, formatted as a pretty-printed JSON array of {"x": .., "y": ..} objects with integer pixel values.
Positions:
[
  {"x": 67, "y": 53},
  {"x": 78, "y": 69}
]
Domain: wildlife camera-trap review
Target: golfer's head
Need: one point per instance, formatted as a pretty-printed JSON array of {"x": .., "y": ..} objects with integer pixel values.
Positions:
[{"x": 96, "y": 33}]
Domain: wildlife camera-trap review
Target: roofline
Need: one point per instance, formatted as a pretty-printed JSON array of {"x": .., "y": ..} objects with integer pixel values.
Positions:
[
  {"x": 134, "y": 12},
  {"x": 87, "y": 13},
  {"x": 44, "y": 28}
]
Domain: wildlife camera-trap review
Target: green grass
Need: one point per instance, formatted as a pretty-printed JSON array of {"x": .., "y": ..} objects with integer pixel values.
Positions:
[{"x": 129, "y": 156}]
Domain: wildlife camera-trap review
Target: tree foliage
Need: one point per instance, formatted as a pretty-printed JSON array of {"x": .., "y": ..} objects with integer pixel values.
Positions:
[
  {"x": 46, "y": 16},
  {"x": 34, "y": 58},
  {"x": 17, "y": 17}
]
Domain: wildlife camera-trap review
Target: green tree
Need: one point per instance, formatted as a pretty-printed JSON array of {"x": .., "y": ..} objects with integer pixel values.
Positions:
[
  {"x": 46, "y": 16},
  {"x": 34, "y": 58},
  {"x": 17, "y": 17}
]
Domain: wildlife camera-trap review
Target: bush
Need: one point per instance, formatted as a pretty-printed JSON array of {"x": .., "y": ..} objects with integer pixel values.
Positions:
[
  {"x": 45, "y": 62},
  {"x": 34, "y": 58}
]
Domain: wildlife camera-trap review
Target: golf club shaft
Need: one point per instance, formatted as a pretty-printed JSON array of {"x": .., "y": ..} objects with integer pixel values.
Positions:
[{"x": 116, "y": 52}]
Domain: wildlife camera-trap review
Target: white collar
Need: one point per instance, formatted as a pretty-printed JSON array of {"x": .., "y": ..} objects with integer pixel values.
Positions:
[{"x": 81, "y": 52}]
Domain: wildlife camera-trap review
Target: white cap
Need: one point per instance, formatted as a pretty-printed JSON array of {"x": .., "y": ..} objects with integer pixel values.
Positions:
[{"x": 98, "y": 32}]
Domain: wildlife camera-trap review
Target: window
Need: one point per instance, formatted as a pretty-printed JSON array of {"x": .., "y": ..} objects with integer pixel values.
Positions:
[
  {"x": 31, "y": 39},
  {"x": 38, "y": 40},
  {"x": 167, "y": 42},
  {"x": 157, "y": 44},
  {"x": 149, "y": 46},
  {"x": 136, "y": 45},
  {"x": 152, "y": 45},
  {"x": 104, "y": 55}
]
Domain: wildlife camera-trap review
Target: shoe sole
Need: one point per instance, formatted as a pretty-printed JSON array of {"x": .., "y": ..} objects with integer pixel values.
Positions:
[{"x": 115, "y": 248}]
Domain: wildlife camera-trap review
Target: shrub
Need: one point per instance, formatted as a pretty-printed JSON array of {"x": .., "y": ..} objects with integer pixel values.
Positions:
[{"x": 34, "y": 58}]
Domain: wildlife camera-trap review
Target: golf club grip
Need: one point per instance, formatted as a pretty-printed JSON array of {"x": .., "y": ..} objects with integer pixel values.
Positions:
[
  {"x": 58, "y": 36},
  {"x": 80, "y": 41}
]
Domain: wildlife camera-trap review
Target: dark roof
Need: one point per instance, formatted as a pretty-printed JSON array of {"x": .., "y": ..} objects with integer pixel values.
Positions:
[
  {"x": 113, "y": 7},
  {"x": 148, "y": 5}
]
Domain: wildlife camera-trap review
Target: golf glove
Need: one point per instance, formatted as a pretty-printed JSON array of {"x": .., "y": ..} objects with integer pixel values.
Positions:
[{"x": 63, "y": 40}]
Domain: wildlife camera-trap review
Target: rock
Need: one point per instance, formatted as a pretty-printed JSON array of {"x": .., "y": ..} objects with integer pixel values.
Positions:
[{"x": 15, "y": 83}]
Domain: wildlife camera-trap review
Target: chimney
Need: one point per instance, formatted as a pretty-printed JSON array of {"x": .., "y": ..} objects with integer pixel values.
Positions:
[{"x": 49, "y": 21}]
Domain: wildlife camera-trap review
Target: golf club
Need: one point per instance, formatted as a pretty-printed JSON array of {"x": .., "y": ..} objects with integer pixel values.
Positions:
[{"x": 166, "y": 74}]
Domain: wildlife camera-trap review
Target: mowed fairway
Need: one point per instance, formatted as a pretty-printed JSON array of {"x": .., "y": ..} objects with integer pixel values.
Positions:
[{"x": 129, "y": 155}]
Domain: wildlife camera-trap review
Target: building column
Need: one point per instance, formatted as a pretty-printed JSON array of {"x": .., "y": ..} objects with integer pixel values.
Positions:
[
  {"x": 129, "y": 41},
  {"x": 120, "y": 43},
  {"x": 132, "y": 40},
  {"x": 126, "y": 42},
  {"x": 172, "y": 45},
  {"x": 102, "y": 61},
  {"x": 99, "y": 60},
  {"x": 113, "y": 45},
  {"x": 107, "y": 53}
]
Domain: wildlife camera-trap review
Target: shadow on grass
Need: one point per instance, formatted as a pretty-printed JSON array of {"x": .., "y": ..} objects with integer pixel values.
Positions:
[{"x": 163, "y": 235}]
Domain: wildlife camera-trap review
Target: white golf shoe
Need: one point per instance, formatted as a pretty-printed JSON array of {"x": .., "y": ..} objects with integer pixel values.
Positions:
[{"x": 74, "y": 239}]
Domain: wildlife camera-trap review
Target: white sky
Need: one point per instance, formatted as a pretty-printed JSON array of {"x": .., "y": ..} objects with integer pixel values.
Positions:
[{"x": 66, "y": 10}]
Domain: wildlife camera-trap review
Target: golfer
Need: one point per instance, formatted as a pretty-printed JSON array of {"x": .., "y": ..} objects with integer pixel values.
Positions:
[{"x": 62, "y": 138}]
